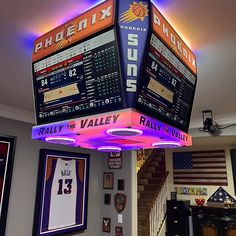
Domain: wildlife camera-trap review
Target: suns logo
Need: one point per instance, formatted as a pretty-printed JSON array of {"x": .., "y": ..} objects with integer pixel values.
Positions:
[{"x": 135, "y": 12}]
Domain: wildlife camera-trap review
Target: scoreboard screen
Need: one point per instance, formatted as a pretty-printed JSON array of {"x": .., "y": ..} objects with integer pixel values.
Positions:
[
  {"x": 81, "y": 80},
  {"x": 167, "y": 88}
]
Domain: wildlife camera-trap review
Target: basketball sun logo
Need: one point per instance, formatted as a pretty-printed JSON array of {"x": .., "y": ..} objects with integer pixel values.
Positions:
[{"x": 135, "y": 12}]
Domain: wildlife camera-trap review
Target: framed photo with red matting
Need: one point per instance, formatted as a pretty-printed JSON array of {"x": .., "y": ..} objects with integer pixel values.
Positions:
[
  {"x": 7, "y": 149},
  {"x": 115, "y": 160},
  {"x": 62, "y": 193}
]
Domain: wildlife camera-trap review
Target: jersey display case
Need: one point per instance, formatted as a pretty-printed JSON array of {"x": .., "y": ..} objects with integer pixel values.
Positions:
[{"x": 119, "y": 65}]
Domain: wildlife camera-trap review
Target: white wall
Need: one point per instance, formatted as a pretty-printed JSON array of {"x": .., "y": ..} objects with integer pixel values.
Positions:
[
  {"x": 23, "y": 189},
  {"x": 128, "y": 173}
]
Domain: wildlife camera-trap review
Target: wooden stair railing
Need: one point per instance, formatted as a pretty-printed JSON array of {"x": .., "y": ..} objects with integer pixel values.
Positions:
[{"x": 152, "y": 198}]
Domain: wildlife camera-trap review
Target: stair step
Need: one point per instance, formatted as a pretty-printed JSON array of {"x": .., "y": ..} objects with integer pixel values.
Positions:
[
  {"x": 158, "y": 174},
  {"x": 140, "y": 188},
  {"x": 151, "y": 169},
  {"x": 155, "y": 164},
  {"x": 142, "y": 220},
  {"x": 143, "y": 181},
  {"x": 150, "y": 187},
  {"x": 157, "y": 158},
  {"x": 155, "y": 180},
  {"x": 146, "y": 194},
  {"x": 147, "y": 174},
  {"x": 143, "y": 203}
]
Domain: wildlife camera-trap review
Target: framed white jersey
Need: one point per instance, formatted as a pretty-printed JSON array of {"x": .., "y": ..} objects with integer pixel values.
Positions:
[{"x": 61, "y": 202}]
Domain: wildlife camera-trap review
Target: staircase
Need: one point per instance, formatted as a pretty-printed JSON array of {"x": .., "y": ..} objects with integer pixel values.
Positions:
[{"x": 151, "y": 179}]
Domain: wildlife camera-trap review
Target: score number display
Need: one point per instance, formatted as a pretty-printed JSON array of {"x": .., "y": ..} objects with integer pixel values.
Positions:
[
  {"x": 81, "y": 80},
  {"x": 167, "y": 88}
]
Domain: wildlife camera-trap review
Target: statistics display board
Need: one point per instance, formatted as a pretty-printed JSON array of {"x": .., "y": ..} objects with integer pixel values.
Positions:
[
  {"x": 167, "y": 88},
  {"x": 79, "y": 81}
]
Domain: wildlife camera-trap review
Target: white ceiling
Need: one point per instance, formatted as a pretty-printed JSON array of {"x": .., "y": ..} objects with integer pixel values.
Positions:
[{"x": 209, "y": 26}]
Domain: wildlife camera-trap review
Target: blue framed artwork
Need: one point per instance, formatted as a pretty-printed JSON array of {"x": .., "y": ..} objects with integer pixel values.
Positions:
[
  {"x": 62, "y": 193},
  {"x": 7, "y": 149}
]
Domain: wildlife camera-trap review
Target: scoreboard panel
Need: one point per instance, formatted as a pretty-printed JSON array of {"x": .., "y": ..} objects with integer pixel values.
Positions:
[
  {"x": 115, "y": 77},
  {"x": 167, "y": 88},
  {"x": 78, "y": 81}
]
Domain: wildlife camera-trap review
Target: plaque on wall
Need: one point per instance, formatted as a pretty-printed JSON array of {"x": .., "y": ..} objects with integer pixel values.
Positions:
[
  {"x": 106, "y": 224},
  {"x": 120, "y": 202}
]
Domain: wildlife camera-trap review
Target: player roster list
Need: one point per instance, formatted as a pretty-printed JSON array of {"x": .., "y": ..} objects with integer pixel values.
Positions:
[
  {"x": 81, "y": 80},
  {"x": 167, "y": 88}
]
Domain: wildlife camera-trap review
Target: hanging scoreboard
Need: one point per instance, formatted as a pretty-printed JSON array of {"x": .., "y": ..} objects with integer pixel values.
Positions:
[{"x": 117, "y": 55}]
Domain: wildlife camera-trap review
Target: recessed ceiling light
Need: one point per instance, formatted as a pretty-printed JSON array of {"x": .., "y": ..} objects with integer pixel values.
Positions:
[
  {"x": 60, "y": 140},
  {"x": 124, "y": 132},
  {"x": 109, "y": 149},
  {"x": 167, "y": 144}
]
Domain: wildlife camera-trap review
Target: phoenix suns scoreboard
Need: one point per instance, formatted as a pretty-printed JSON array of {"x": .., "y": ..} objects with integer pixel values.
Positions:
[{"x": 119, "y": 54}]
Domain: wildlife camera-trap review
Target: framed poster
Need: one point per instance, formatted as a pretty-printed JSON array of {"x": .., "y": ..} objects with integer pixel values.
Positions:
[
  {"x": 108, "y": 180},
  {"x": 62, "y": 193},
  {"x": 7, "y": 149}
]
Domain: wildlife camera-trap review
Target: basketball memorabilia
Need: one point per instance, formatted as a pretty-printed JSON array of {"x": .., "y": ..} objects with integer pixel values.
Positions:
[
  {"x": 120, "y": 202},
  {"x": 119, "y": 231},
  {"x": 7, "y": 147},
  {"x": 108, "y": 180},
  {"x": 107, "y": 199},
  {"x": 106, "y": 224},
  {"x": 62, "y": 193},
  {"x": 121, "y": 184},
  {"x": 115, "y": 160}
]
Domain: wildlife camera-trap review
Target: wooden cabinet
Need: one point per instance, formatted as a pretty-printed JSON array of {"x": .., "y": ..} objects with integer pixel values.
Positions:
[
  {"x": 213, "y": 221},
  {"x": 178, "y": 218}
]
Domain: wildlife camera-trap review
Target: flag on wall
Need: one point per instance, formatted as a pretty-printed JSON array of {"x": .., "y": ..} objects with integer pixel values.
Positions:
[{"x": 200, "y": 168}]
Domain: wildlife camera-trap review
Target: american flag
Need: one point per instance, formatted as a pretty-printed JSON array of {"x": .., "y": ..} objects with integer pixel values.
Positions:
[{"x": 200, "y": 168}]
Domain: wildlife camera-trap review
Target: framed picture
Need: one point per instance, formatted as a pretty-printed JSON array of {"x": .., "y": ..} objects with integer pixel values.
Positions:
[
  {"x": 106, "y": 225},
  {"x": 115, "y": 160},
  {"x": 121, "y": 184},
  {"x": 7, "y": 149},
  {"x": 108, "y": 180},
  {"x": 62, "y": 193},
  {"x": 107, "y": 199},
  {"x": 119, "y": 231}
]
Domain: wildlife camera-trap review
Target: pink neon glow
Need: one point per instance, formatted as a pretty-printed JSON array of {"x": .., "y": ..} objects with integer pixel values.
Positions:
[
  {"x": 133, "y": 132},
  {"x": 109, "y": 149},
  {"x": 166, "y": 143},
  {"x": 60, "y": 140}
]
